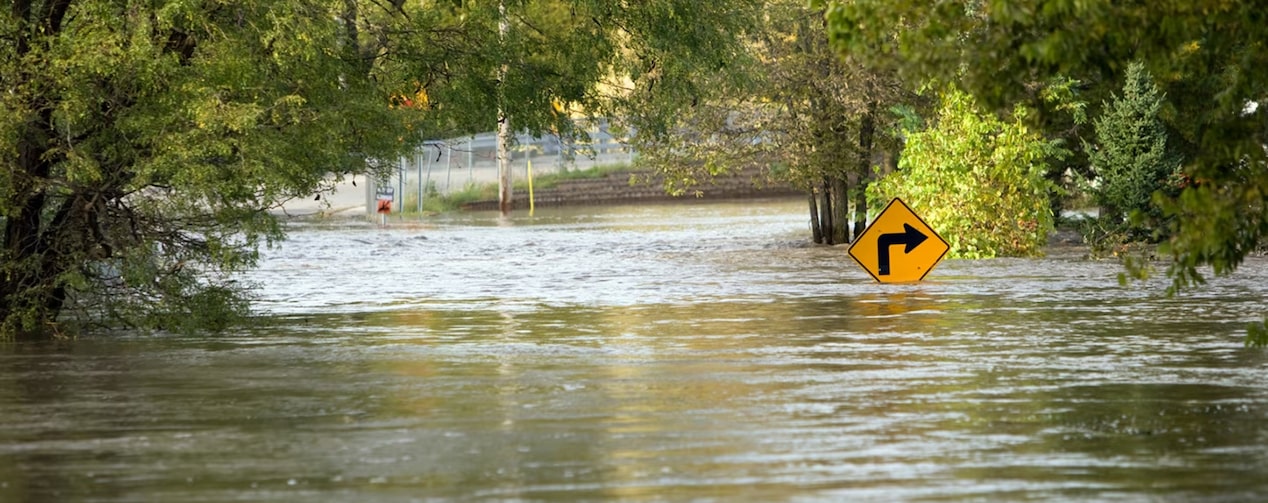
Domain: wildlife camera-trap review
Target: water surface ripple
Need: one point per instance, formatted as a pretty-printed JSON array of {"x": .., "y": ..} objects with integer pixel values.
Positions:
[{"x": 667, "y": 353}]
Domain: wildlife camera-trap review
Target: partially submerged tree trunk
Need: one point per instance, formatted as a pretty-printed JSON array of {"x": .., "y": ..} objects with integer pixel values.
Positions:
[
  {"x": 867, "y": 130},
  {"x": 860, "y": 211},
  {"x": 829, "y": 213},
  {"x": 840, "y": 211},
  {"x": 29, "y": 263},
  {"x": 825, "y": 211},
  {"x": 505, "y": 196},
  {"x": 816, "y": 231}
]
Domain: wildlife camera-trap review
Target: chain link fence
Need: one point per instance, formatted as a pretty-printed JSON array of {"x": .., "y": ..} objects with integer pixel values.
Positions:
[{"x": 445, "y": 166}]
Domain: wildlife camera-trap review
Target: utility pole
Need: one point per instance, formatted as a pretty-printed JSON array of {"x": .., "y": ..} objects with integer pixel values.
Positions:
[{"x": 505, "y": 197}]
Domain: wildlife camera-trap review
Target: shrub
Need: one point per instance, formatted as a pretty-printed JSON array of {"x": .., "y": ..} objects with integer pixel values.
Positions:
[{"x": 978, "y": 181}]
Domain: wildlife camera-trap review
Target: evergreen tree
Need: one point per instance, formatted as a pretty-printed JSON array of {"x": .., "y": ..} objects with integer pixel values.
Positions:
[{"x": 1131, "y": 158}]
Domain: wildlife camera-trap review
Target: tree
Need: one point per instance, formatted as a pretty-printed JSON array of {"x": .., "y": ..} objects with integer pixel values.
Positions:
[
  {"x": 144, "y": 143},
  {"x": 546, "y": 63},
  {"x": 1207, "y": 54},
  {"x": 831, "y": 116},
  {"x": 813, "y": 119},
  {"x": 978, "y": 180},
  {"x": 517, "y": 66},
  {"x": 144, "y": 146},
  {"x": 1131, "y": 159}
]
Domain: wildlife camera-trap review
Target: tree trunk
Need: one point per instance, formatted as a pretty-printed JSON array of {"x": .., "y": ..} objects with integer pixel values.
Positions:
[
  {"x": 860, "y": 209},
  {"x": 815, "y": 230},
  {"x": 31, "y": 267},
  {"x": 825, "y": 212},
  {"x": 29, "y": 299},
  {"x": 840, "y": 211},
  {"x": 505, "y": 196},
  {"x": 867, "y": 130}
]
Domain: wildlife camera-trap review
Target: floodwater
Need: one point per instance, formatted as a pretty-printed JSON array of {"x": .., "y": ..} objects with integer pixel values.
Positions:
[{"x": 665, "y": 353}]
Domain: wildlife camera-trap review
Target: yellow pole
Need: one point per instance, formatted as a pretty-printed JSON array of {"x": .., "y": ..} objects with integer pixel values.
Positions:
[{"x": 530, "y": 188}]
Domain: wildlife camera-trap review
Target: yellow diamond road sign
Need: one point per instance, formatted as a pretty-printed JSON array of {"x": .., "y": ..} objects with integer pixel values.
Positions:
[{"x": 898, "y": 246}]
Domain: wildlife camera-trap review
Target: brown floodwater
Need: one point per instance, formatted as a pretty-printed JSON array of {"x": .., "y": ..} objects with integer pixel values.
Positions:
[{"x": 663, "y": 353}]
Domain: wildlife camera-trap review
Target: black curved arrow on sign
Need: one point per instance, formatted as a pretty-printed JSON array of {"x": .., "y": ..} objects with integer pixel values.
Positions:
[{"x": 909, "y": 237}]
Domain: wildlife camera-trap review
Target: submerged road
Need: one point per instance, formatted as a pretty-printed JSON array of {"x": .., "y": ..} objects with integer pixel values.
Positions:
[{"x": 665, "y": 353}]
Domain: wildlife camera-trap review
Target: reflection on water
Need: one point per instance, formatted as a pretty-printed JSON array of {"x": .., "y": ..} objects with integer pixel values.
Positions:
[{"x": 662, "y": 353}]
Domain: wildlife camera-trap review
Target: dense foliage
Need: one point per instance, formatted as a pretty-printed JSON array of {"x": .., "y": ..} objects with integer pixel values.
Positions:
[
  {"x": 1208, "y": 57},
  {"x": 143, "y": 146},
  {"x": 977, "y": 179}
]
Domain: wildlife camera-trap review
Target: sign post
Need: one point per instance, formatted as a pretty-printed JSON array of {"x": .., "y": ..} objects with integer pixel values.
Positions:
[
  {"x": 385, "y": 196},
  {"x": 898, "y": 246}
]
